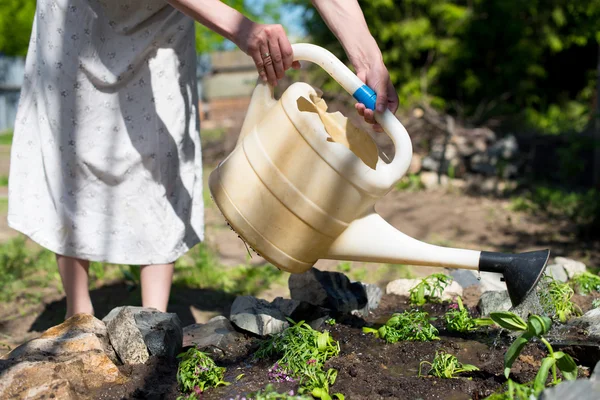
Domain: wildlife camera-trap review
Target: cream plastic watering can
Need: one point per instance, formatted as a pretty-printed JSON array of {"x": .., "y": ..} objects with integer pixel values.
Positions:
[{"x": 301, "y": 185}]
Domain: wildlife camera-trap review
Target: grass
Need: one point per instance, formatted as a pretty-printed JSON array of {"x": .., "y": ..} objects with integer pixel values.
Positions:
[
  {"x": 6, "y": 137},
  {"x": 556, "y": 299},
  {"x": 585, "y": 283},
  {"x": 411, "y": 325},
  {"x": 446, "y": 366},
  {"x": 303, "y": 352},
  {"x": 3, "y": 206},
  {"x": 410, "y": 183},
  {"x": 198, "y": 372},
  {"x": 3, "y": 180}
]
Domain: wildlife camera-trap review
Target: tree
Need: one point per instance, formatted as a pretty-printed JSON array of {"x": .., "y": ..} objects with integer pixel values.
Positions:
[{"x": 16, "y": 20}]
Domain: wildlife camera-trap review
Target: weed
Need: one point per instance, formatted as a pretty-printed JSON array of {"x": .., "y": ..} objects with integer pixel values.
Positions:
[
  {"x": 303, "y": 352},
  {"x": 198, "y": 372},
  {"x": 535, "y": 327},
  {"x": 411, "y": 325},
  {"x": 585, "y": 283},
  {"x": 446, "y": 365},
  {"x": 3, "y": 180},
  {"x": 556, "y": 300},
  {"x": 269, "y": 393},
  {"x": 330, "y": 321},
  {"x": 429, "y": 289},
  {"x": 458, "y": 319},
  {"x": 6, "y": 137},
  {"x": 596, "y": 303},
  {"x": 410, "y": 183}
]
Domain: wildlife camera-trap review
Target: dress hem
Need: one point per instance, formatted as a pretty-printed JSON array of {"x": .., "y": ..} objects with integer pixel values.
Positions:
[{"x": 61, "y": 250}]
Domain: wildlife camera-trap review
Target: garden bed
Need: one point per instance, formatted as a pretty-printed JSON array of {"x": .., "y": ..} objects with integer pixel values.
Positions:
[{"x": 368, "y": 367}]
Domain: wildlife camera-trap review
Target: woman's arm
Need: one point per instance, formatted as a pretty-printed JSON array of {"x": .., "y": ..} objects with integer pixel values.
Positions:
[
  {"x": 347, "y": 22},
  {"x": 268, "y": 45}
]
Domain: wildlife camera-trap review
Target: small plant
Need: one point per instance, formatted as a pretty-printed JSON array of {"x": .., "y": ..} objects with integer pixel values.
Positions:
[
  {"x": 278, "y": 374},
  {"x": 536, "y": 327},
  {"x": 269, "y": 393},
  {"x": 411, "y": 325},
  {"x": 516, "y": 391},
  {"x": 458, "y": 319},
  {"x": 198, "y": 372},
  {"x": 585, "y": 283},
  {"x": 446, "y": 365},
  {"x": 429, "y": 289},
  {"x": 410, "y": 183},
  {"x": 330, "y": 321},
  {"x": 556, "y": 300},
  {"x": 303, "y": 353},
  {"x": 596, "y": 303}
]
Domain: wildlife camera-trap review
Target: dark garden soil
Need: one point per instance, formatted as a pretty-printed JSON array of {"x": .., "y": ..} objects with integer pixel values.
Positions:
[{"x": 368, "y": 368}]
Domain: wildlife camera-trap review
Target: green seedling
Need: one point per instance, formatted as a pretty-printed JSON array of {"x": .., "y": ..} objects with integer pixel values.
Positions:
[
  {"x": 198, "y": 372},
  {"x": 429, "y": 289},
  {"x": 585, "y": 283},
  {"x": 516, "y": 391},
  {"x": 535, "y": 327},
  {"x": 330, "y": 321},
  {"x": 556, "y": 300},
  {"x": 446, "y": 365},
  {"x": 411, "y": 325},
  {"x": 458, "y": 319},
  {"x": 596, "y": 303},
  {"x": 303, "y": 352}
]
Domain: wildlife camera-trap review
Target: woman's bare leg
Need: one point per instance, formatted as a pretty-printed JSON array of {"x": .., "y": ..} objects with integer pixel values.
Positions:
[
  {"x": 74, "y": 276},
  {"x": 156, "y": 285}
]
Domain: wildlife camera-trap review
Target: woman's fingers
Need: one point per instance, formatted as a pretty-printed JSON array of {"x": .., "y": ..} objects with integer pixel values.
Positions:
[{"x": 268, "y": 65}]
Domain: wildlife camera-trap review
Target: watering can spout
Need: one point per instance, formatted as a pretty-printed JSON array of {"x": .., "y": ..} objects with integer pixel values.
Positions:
[{"x": 372, "y": 239}]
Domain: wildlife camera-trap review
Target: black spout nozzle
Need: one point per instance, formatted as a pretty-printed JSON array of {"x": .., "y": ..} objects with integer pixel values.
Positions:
[{"x": 521, "y": 271}]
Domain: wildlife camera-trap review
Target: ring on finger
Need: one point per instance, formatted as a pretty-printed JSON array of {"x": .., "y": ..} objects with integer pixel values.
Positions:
[
  {"x": 267, "y": 61},
  {"x": 267, "y": 54}
]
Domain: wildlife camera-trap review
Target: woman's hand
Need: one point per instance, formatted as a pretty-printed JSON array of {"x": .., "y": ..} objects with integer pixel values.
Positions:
[
  {"x": 376, "y": 76},
  {"x": 270, "y": 49}
]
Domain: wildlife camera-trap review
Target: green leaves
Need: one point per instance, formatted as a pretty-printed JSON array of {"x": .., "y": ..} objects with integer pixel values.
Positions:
[
  {"x": 197, "y": 372},
  {"x": 509, "y": 320},
  {"x": 513, "y": 352},
  {"x": 411, "y": 325},
  {"x": 430, "y": 288},
  {"x": 538, "y": 326},
  {"x": 567, "y": 365},
  {"x": 459, "y": 320},
  {"x": 542, "y": 375},
  {"x": 446, "y": 365}
]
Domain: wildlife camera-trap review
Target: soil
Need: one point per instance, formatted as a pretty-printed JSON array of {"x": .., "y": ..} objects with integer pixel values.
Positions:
[{"x": 368, "y": 368}]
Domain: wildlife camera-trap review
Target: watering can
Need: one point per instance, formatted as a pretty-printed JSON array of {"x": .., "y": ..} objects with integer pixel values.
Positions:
[{"x": 301, "y": 185}]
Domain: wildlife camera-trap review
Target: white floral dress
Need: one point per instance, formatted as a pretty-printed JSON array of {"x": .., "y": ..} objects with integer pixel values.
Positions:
[{"x": 106, "y": 161}]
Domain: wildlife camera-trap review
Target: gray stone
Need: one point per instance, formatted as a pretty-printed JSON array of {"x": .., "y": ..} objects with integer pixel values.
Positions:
[
  {"x": 162, "y": 332},
  {"x": 286, "y": 306},
  {"x": 595, "y": 376},
  {"x": 557, "y": 271},
  {"x": 257, "y": 316},
  {"x": 402, "y": 287},
  {"x": 571, "y": 267},
  {"x": 302, "y": 311},
  {"x": 136, "y": 333},
  {"x": 332, "y": 290},
  {"x": 590, "y": 321},
  {"x": 581, "y": 389},
  {"x": 374, "y": 295},
  {"x": 125, "y": 337},
  {"x": 492, "y": 301},
  {"x": 217, "y": 332}
]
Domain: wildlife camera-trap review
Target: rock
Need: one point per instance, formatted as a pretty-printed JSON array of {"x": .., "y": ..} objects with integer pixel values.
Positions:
[
  {"x": 67, "y": 376},
  {"x": 571, "y": 267},
  {"x": 581, "y": 389},
  {"x": 492, "y": 301},
  {"x": 136, "y": 333},
  {"x": 162, "y": 332},
  {"x": 595, "y": 376},
  {"x": 125, "y": 337},
  {"x": 332, "y": 290},
  {"x": 217, "y": 332},
  {"x": 416, "y": 163},
  {"x": 557, "y": 271},
  {"x": 286, "y": 306},
  {"x": 590, "y": 321},
  {"x": 374, "y": 295},
  {"x": 81, "y": 332},
  {"x": 257, "y": 316},
  {"x": 401, "y": 287},
  {"x": 485, "y": 281}
]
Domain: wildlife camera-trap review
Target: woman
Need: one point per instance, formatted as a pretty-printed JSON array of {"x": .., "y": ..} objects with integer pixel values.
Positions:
[{"x": 106, "y": 163}]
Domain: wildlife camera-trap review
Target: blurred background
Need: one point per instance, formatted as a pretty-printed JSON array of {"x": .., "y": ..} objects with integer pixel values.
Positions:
[{"x": 500, "y": 98}]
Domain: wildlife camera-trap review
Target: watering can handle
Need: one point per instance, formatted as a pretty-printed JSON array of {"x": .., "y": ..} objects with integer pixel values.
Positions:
[{"x": 395, "y": 170}]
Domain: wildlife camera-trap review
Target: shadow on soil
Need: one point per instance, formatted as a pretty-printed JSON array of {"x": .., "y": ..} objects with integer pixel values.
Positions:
[{"x": 120, "y": 294}]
